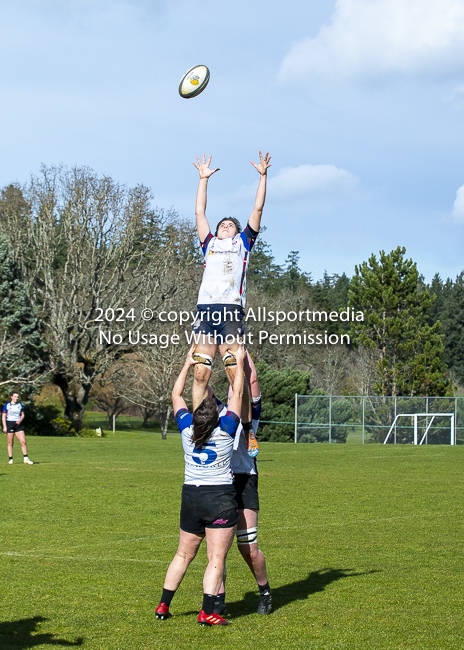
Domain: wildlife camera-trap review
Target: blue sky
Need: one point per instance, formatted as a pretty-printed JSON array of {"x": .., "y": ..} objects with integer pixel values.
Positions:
[{"x": 360, "y": 102}]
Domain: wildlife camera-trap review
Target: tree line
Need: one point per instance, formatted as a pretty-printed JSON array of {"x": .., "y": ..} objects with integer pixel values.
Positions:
[{"x": 74, "y": 244}]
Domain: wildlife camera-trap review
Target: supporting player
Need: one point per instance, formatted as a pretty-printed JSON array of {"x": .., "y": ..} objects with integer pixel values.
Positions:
[
  {"x": 208, "y": 505},
  {"x": 222, "y": 295},
  {"x": 245, "y": 470},
  {"x": 12, "y": 419}
]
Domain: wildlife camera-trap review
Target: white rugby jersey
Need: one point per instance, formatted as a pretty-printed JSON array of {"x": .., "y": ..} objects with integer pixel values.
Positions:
[
  {"x": 13, "y": 411},
  {"x": 209, "y": 464},
  {"x": 225, "y": 267},
  {"x": 241, "y": 462}
]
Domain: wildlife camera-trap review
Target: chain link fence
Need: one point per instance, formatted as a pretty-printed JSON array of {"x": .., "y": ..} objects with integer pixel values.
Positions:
[{"x": 370, "y": 418}]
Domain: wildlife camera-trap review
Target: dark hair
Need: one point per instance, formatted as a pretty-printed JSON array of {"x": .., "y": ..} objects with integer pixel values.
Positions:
[
  {"x": 234, "y": 221},
  {"x": 205, "y": 419},
  {"x": 15, "y": 392}
]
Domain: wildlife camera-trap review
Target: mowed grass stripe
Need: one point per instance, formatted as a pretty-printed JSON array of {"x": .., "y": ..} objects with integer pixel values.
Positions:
[{"x": 364, "y": 547}]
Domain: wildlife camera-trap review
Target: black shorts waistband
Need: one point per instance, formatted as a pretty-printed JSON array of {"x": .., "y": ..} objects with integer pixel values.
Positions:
[
  {"x": 208, "y": 488},
  {"x": 229, "y": 309}
]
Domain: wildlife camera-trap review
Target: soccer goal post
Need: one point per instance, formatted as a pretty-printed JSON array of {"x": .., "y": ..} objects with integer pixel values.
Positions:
[{"x": 416, "y": 417}]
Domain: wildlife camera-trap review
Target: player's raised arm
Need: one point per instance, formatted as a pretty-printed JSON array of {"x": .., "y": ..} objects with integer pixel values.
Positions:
[
  {"x": 235, "y": 403},
  {"x": 200, "y": 207},
  {"x": 178, "y": 401},
  {"x": 262, "y": 167}
]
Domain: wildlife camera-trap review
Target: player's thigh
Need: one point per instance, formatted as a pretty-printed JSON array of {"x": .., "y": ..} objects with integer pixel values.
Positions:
[
  {"x": 219, "y": 541},
  {"x": 224, "y": 347},
  {"x": 21, "y": 436},
  {"x": 189, "y": 543},
  {"x": 247, "y": 518},
  {"x": 10, "y": 437},
  {"x": 205, "y": 347}
]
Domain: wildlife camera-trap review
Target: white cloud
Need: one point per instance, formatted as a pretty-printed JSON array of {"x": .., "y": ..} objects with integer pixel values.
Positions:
[
  {"x": 458, "y": 207},
  {"x": 296, "y": 182},
  {"x": 372, "y": 38},
  {"x": 306, "y": 181},
  {"x": 456, "y": 96}
]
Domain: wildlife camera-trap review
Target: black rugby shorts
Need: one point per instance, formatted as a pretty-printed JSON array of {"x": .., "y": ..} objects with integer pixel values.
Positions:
[
  {"x": 207, "y": 506},
  {"x": 246, "y": 491},
  {"x": 12, "y": 427}
]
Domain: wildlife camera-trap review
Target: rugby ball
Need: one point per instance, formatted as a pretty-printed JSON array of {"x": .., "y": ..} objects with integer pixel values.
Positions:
[{"x": 194, "y": 81}]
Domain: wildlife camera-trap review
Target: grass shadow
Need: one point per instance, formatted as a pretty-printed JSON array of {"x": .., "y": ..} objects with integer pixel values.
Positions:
[
  {"x": 316, "y": 582},
  {"x": 19, "y": 635}
]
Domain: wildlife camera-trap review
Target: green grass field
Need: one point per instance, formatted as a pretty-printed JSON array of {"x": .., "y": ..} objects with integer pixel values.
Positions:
[{"x": 364, "y": 546}]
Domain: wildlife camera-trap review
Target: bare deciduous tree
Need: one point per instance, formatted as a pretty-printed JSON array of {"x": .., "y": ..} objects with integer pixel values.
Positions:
[
  {"x": 363, "y": 373},
  {"x": 149, "y": 376},
  {"x": 92, "y": 245},
  {"x": 104, "y": 393}
]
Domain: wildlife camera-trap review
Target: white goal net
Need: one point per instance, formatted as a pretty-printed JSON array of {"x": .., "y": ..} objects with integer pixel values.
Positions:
[{"x": 373, "y": 418}]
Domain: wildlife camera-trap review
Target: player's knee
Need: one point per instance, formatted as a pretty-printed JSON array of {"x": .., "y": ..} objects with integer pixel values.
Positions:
[
  {"x": 201, "y": 373},
  {"x": 247, "y": 537},
  {"x": 186, "y": 556},
  {"x": 251, "y": 553},
  {"x": 218, "y": 557}
]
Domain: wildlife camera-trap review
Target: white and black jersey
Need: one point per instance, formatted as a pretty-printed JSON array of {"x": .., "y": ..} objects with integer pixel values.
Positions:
[{"x": 209, "y": 464}]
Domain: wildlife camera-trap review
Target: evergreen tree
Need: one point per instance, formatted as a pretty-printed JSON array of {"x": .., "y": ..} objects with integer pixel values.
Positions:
[
  {"x": 321, "y": 291},
  {"x": 331, "y": 294},
  {"x": 436, "y": 288},
  {"x": 395, "y": 324},
  {"x": 453, "y": 328},
  {"x": 293, "y": 278},
  {"x": 340, "y": 288},
  {"x": 263, "y": 272},
  {"x": 332, "y": 291},
  {"x": 278, "y": 393},
  {"x": 22, "y": 354},
  {"x": 442, "y": 291}
]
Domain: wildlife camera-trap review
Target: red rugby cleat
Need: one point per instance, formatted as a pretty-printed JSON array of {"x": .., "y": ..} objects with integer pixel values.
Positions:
[
  {"x": 211, "y": 619},
  {"x": 162, "y": 612}
]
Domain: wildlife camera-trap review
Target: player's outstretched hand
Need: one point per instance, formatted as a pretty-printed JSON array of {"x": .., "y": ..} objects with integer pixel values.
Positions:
[
  {"x": 239, "y": 353},
  {"x": 203, "y": 167},
  {"x": 264, "y": 163},
  {"x": 190, "y": 361}
]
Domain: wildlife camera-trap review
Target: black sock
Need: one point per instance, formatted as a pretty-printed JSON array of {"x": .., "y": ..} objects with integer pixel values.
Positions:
[
  {"x": 167, "y": 596},
  {"x": 264, "y": 588},
  {"x": 10, "y": 457},
  {"x": 221, "y": 598},
  {"x": 208, "y": 603}
]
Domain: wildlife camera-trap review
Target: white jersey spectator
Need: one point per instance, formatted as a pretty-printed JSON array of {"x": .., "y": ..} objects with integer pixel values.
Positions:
[{"x": 13, "y": 411}]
